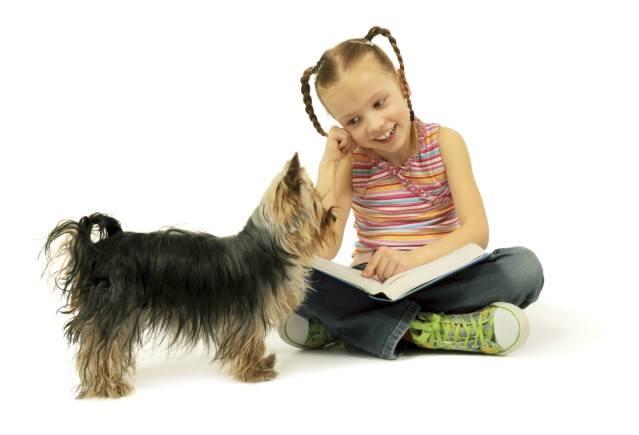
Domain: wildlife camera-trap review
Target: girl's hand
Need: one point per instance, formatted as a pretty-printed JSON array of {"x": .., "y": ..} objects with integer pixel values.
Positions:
[
  {"x": 387, "y": 262},
  {"x": 339, "y": 144}
]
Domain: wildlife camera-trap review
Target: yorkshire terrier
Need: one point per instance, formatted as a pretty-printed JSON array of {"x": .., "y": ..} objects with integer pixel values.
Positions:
[{"x": 192, "y": 287}]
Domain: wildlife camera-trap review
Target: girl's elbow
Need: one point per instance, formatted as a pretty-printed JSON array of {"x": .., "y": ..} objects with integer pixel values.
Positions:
[
  {"x": 479, "y": 234},
  {"x": 484, "y": 237},
  {"x": 329, "y": 251}
]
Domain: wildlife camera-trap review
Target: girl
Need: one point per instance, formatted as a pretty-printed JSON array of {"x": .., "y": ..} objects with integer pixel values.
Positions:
[{"x": 412, "y": 190}]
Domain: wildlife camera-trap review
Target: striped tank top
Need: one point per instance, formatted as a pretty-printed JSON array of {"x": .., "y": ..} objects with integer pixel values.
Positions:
[{"x": 402, "y": 207}]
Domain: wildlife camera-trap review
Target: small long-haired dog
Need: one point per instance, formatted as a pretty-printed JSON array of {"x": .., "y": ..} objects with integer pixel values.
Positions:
[{"x": 192, "y": 287}]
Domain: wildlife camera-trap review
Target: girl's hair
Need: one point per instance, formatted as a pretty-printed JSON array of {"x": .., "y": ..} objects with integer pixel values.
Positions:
[{"x": 340, "y": 58}]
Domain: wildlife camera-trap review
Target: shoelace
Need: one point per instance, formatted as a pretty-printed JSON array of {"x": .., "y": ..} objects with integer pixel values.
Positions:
[
  {"x": 436, "y": 331},
  {"x": 319, "y": 337}
]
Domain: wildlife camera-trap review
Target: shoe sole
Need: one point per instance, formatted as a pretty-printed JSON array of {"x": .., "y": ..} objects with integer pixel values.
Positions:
[
  {"x": 296, "y": 322},
  {"x": 524, "y": 328}
]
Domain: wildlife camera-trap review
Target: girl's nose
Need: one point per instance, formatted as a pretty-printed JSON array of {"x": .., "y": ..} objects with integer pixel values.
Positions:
[{"x": 376, "y": 128}]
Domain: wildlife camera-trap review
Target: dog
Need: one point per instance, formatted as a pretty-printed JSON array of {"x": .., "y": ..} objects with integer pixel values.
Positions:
[{"x": 192, "y": 287}]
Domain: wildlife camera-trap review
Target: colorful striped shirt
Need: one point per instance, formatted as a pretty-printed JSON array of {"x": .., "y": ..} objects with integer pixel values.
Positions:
[{"x": 403, "y": 207}]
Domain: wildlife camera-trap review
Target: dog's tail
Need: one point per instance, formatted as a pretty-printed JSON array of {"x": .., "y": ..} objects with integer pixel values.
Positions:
[{"x": 77, "y": 252}]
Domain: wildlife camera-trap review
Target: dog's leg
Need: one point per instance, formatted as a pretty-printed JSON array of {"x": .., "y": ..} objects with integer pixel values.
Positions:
[
  {"x": 250, "y": 364},
  {"x": 102, "y": 367}
]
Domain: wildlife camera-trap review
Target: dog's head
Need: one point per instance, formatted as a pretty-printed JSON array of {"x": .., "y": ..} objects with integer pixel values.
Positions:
[{"x": 293, "y": 208}]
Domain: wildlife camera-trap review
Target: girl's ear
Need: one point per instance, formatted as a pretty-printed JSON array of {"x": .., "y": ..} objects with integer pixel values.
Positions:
[{"x": 405, "y": 89}]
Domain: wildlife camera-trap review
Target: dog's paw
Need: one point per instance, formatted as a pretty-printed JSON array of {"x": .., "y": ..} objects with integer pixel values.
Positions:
[
  {"x": 268, "y": 362},
  {"x": 119, "y": 389},
  {"x": 111, "y": 390},
  {"x": 260, "y": 375}
]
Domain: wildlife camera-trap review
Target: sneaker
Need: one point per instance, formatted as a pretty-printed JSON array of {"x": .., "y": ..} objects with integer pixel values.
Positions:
[
  {"x": 497, "y": 329},
  {"x": 307, "y": 334}
]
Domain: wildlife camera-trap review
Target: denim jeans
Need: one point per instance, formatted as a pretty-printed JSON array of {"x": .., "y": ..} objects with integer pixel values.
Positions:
[{"x": 510, "y": 275}]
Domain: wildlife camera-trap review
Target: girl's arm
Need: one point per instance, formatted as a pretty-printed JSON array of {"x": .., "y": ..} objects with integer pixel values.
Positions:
[
  {"x": 468, "y": 203},
  {"x": 334, "y": 185}
]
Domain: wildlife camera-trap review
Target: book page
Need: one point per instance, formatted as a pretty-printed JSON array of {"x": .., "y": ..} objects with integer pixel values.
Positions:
[
  {"x": 399, "y": 284},
  {"x": 347, "y": 274}
]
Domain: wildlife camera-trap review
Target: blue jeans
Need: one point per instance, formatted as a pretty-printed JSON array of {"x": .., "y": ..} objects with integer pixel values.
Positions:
[{"x": 507, "y": 275}]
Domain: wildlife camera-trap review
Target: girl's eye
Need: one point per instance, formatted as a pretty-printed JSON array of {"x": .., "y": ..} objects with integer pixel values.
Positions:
[{"x": 382, "y": 101}]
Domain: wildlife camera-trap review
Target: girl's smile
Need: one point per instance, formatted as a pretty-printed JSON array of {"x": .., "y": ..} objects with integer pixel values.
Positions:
[{"x": 388, "y": 136}]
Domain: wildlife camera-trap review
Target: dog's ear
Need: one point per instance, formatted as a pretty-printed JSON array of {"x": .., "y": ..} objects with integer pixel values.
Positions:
[{"x": 292, "y": 177}]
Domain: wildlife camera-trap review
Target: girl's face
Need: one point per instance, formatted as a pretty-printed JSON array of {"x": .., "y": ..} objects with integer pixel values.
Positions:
[{"x": 368, "y": 102}]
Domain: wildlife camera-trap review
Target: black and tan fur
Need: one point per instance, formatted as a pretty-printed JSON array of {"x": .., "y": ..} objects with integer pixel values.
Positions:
[{"x": 190, "y": 287}]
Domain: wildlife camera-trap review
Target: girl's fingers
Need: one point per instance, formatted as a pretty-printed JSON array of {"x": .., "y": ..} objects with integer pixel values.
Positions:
[
  {"x": 380, "y": 270},
  {"x": 389, "y": 270},
  {"x": 346, "y": 147}
]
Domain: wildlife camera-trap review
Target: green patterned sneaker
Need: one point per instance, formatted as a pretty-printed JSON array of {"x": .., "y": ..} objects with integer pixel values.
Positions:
[
  {"x": 307, "y": 334},
  {"x": 497, "y": 329}
]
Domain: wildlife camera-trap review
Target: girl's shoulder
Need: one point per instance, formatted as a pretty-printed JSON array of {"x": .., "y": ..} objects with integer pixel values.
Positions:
[
  {"x": 446, "y": 131},
  {"x": 448, "y": 138}
]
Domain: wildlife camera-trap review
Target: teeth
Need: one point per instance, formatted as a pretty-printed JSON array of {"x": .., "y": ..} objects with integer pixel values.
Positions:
[{"x": 386, "y": 135}]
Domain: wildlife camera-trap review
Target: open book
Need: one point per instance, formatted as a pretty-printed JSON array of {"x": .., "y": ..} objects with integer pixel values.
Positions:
[{"x": 407, "y": 282}]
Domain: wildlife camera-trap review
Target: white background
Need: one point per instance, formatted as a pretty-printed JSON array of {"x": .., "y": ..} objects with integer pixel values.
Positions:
[{"x": 163, "y": 113}]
